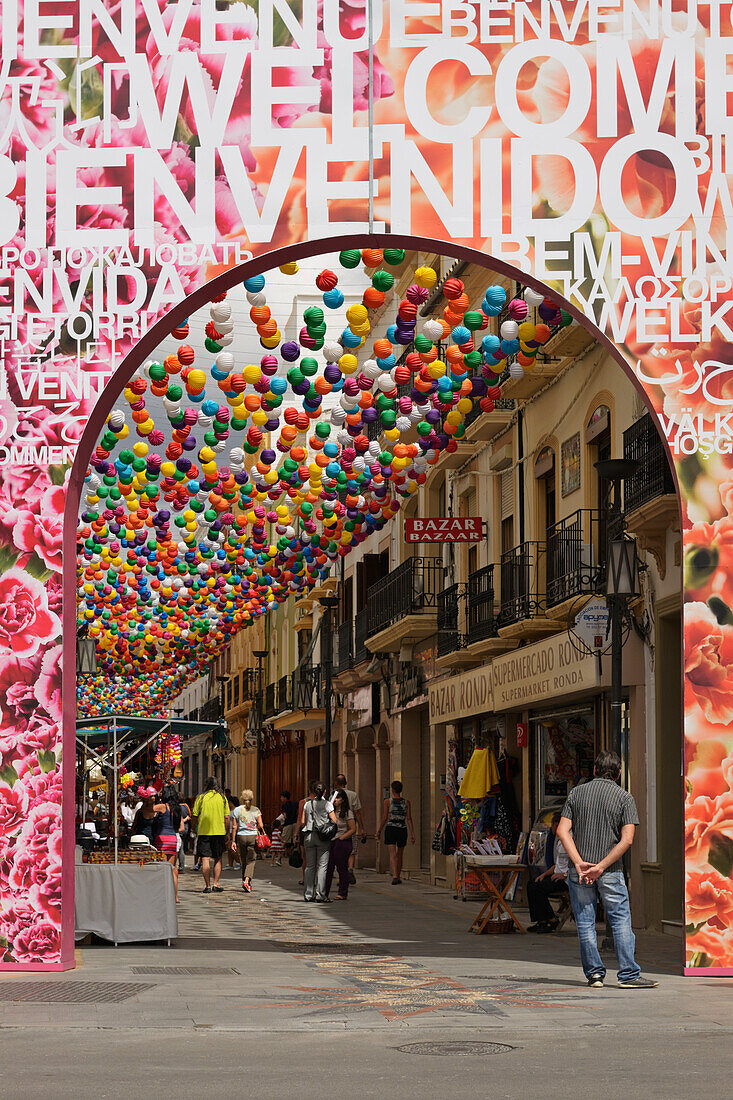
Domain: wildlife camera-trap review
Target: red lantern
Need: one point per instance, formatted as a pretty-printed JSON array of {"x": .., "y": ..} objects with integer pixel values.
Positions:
[
  {"x": 452, "y": 289},
  {"x": 326, "y": 280},
  {"x": 186, "y": 355}
]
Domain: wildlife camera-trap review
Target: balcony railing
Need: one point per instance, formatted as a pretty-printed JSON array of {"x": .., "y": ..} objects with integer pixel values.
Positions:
[
  {"x": 522, "y": 596},
  {"x": 449, "y": 636},
  {"x": 211, "y": 710},
  {"x": 270, "y": 701},
  {"x": 481, "y": 615},
  {"x": 643, "y": 443},
  {"x": 410, "y": 589},
  {"x": 506, "y": 404},
  {"x": 307, "y": 688},
  {"x": 283, "y": 693},
  {"x": 361, "y": 633},
  {"x": 343, "y": 648},
  {"x": 575, "y": 556},
  {"x": 249, "y": 685}
]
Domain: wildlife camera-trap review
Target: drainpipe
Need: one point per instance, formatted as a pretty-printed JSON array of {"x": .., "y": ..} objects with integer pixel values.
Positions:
[{"x": 520, "y": 466}]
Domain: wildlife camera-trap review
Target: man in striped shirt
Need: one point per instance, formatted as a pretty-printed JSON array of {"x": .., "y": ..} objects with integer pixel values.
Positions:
[{"x": 603, "y": 819}]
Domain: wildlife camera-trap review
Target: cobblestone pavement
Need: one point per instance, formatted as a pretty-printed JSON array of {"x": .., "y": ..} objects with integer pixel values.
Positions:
[{"x": 396, "y": 964}]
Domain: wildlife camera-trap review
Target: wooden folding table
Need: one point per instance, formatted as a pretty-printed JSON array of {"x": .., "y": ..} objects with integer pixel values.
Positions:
[{"x": 497, "y": 900}]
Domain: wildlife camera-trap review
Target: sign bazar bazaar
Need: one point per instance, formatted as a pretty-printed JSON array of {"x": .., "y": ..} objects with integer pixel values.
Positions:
[{"x": 444, "y": 529}]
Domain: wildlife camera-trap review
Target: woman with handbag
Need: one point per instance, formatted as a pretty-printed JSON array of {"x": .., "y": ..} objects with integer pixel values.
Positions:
[
  {"x": 247, "y": 831},
  {"x": 319, "y": 825},
  {"x": 342, "y": 846}
]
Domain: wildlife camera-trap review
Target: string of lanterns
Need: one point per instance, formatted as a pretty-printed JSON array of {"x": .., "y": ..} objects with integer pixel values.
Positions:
[{"x": 202, "y": 524}]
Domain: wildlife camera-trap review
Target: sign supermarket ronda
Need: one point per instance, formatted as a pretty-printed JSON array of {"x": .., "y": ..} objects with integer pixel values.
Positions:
[{"x": 147, "y": 148}]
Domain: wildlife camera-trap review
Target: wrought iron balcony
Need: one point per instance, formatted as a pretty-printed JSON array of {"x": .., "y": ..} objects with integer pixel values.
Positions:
[
  {"x": 282, "y": 697},
  {"x": 522, "y": 596},
  {"x": 643, "y": 443},
  {"x": 307, "y": 689},
  {"x": 343, "y": 648},
  {"x": 211, "y": 710},
  {"x": 501, "y": 404},
  {"x": 481, "y": 616},
  {"x": 361, "y": 633},
  {"x": 410, "y": 589},
  {"x": 249, "y": 685},
  {"x": 449, "y": 635},
  {"x": 575, "y": 556},
  {"x": 270, "y": 702}
]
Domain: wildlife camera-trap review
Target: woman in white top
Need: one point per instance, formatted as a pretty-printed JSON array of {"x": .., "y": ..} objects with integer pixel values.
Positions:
[
  {"x": 246, "y": 823},
  {"x": 342, "y": 846},
  {"x": 317, "y": 812}
]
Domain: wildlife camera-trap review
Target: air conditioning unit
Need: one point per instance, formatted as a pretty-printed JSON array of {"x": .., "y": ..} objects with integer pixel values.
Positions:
[{"x": 501, "y": 459}]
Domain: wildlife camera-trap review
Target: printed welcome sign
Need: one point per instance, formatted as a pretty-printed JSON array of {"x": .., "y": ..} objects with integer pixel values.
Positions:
[{"x": 148, "y": 148}]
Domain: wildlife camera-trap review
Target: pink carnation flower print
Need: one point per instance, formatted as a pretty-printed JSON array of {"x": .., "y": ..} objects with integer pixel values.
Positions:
[
  {"x": 13, "y": 808},
  {"x": 39, "y": 941},
  {"x": 26, "y": 622},
  {"x": 42, "y": 532}
]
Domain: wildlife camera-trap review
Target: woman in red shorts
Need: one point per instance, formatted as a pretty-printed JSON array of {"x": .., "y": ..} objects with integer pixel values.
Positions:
[{"x": 167, "y": 826}]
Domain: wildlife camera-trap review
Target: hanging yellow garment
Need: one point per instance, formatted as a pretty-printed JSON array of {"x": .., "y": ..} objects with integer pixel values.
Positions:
[{"x": 482, "y": 773}]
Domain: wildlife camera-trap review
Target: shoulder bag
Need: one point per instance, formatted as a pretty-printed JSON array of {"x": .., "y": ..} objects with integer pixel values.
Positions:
[{"x": 326, "y": 832}]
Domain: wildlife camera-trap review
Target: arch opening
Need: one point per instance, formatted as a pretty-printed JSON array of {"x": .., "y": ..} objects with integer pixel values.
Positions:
[{"x": 471, "y": 605}]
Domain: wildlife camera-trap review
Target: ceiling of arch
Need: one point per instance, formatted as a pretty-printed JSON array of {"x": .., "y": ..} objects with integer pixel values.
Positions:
[{"x": 266, "y": 438}]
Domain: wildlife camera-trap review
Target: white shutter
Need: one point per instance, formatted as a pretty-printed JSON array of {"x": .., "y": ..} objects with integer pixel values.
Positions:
[{"x": 506, "y": 490}]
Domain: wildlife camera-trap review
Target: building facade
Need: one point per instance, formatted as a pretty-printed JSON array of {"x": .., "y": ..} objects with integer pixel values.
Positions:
[{"x": 437, "y": 649}]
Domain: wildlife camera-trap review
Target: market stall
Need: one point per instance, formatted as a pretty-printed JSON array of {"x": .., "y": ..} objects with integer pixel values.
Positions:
[{"x": 126, "y": 894}]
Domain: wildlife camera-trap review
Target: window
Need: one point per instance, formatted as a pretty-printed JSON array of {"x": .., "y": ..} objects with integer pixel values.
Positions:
[
  {"x": 544, "y": 472},
  {"x": 235, "y": 695}
]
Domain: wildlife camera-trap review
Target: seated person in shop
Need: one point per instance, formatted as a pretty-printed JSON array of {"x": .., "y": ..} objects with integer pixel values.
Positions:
[{"x": 552, "y": 881}]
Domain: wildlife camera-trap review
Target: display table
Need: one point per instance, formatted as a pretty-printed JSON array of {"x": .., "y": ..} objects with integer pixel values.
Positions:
[
  {"x": 510, "y": 868},
  {"x": 125, "y": 903}
]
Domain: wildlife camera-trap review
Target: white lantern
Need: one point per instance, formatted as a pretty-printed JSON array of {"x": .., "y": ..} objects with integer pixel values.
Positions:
[
  {"x": 533, "y": 298},
  {"x": 516, "y": 370},
  {"x": 433, "y": 330},
  {"x": 225, "y": 362},
  {"x": 256, "y": 298},
  {"x": 509, "y": 330},
  {"x": 332, "y": 351},
  {"x": 220, "y": 312}
]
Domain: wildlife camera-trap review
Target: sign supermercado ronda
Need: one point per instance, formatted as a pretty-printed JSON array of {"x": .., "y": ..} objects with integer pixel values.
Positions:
[{"x": 148, "y": 148}]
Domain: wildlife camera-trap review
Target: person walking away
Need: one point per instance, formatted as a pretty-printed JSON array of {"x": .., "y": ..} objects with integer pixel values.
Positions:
[
  {"x": 396, "y": 817},
  {"x": 552, "y": 881},
  {"x": 276, "y": 840},
  {"x": 603, "y": 818},
  {"x": 290, "y": 810},
  {"x": 317, "y": 812},
  {"x": 246, "y": 823},
  {"x": 167, "y": 827},
  {"x": 298, "y": 840},
  {"x": 211, "y": 816},
  {"x": 185, "y": 835},
  {"x": 355, "y": 807},
  {"x": 232, "y": 853},
  {"x": 342, "y": 846}
]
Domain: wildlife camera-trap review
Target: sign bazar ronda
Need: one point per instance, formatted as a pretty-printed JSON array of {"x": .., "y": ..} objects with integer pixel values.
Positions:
[{"x": 578, "y": 147}]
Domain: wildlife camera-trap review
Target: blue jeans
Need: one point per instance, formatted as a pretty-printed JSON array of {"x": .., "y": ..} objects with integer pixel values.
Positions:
[{"x": 611, "y": 888}]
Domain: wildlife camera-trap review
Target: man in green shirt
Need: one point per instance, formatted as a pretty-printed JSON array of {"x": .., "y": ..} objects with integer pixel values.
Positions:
[{"x": 211, "y": 818}]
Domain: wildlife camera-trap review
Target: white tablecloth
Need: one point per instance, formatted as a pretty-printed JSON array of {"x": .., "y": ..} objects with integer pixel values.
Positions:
[{"x": 125, "y": 903}]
